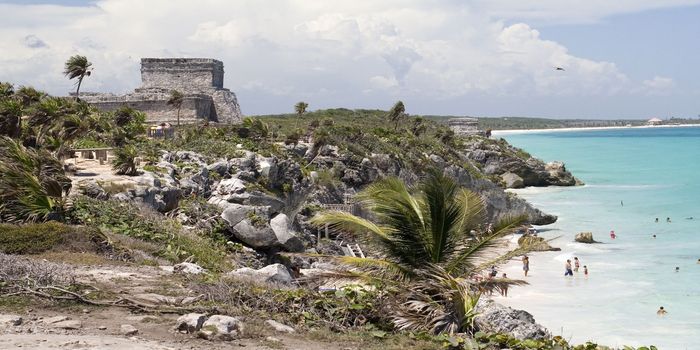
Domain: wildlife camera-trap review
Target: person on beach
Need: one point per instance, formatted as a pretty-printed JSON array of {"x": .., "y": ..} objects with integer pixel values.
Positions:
[
  {"x": 576, "y": 264},
  {"x": 493, "y": 272},
  {"x": 504, "y": 290},
  {"x": 585, "y": 270},
  {"x": 568, "y": 271},
  {"x": 661, "y": 311},
  {"x": 526, "y": 264},
  {"x": 612, "y": 234}
]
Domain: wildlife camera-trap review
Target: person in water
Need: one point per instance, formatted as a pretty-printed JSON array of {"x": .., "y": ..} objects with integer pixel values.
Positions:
[
  {"x": 657, "y": 220},
  {"x": 653, "y": 236},
  {"x": 526, "y": 264},
  {"x": 668, "y": 219},
  {"x": 678, "y": 269},
  {"x": 585, "y": 270},
  {"x": 567, "y": 268},
  {"x": 661, "y": 311},
  {"x": 576, "y": 264},
  {"x": 612, "y": 234}
]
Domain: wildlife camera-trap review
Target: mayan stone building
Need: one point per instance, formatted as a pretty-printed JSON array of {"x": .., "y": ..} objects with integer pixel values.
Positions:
[
  {"x": 200, "y": 80},
  {"x": 464, "y": 126}
]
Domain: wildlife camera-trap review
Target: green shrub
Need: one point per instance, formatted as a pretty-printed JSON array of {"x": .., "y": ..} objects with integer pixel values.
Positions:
[
  {"x": 174, "y": 243},
  {"x": 42, "y": 237}
]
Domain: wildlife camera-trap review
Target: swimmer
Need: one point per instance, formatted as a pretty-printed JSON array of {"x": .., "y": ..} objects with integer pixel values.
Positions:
[
  {"x": 653, "y": 236},
  {"x": 576, "y": 264},
  {"x": 622, "y": 204},
  {"x": 612, "y": 234},
  {"x": 661, "y": 311},
  {"x": 689, "y": 218},
  {"x": 657, "y": 220},
  {"x": 698, "y": 261},
  {"x": 678, "y": 269},
  {"x": 585, "y": 270},
  {"x": 668, "y": 219}
]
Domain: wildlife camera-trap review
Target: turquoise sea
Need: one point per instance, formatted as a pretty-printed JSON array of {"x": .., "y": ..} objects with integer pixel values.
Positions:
[{"x": 632, "y": 176}]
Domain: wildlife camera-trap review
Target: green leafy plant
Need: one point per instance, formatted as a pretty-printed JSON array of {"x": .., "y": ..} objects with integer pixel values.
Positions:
[{"x": 124, "y": 162}]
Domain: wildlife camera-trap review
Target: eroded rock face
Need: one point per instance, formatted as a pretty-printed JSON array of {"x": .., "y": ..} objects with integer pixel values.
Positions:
[
  {"x": 496, "y": 157},
  {"x": 275, "y": 273},
  {"x": 585, "y": 237},
  {"x": 511, "y": 180},
  {"x": 537, "y": 244},
  {"x": 496, "y": 318}
]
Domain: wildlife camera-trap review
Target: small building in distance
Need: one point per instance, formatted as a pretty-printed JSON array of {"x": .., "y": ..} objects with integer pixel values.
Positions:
[
  {"x": 200, "y": 80},
  {"x": 654, "y": 121},
  {"x": 464, "y": 126}
]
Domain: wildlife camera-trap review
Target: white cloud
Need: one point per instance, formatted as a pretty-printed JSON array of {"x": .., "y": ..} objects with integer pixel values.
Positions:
[
  {"x": 335, "y": 52},
  {"x": 657, "y": 86}
]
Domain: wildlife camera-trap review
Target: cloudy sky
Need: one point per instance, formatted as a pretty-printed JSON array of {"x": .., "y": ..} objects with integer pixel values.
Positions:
[{"x": 623, "y": 58}]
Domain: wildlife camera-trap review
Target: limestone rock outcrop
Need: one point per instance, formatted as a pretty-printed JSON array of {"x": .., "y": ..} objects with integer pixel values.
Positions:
[
  {"x": 496, "y": 318},
  {"x": 585, "y": 237},
  {"x": 497, "y": 157}
]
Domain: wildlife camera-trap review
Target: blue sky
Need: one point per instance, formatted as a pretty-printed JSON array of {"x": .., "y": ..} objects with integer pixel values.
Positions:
[{"x": 627, "y": 58}]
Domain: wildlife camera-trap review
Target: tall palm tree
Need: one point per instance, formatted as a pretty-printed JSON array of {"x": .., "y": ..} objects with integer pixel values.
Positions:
[
  {"x": 396, "y": 113},
  {"x": 77, "y": 67},
  {"x": 300, "y": 108},
  {"x": 175, "y": 100},
  {"x": 431, "y": 235}
]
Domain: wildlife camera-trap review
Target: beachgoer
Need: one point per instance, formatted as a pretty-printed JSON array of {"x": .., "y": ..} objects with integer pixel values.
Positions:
[
  {"x": 698, "y": 261},
  {"x": 657, "y": 220},
  {"x": 504, "y": 290},
  {"x": 489, "y": 228},
  {"x": 493, "y": 273},
  {"x": 567, "y": 268},
  {"x": 612, "y": 234},
  {"x": 526, "y": 264},
  {"x": 653, "y": 236},
  {"x": 585, "y": 270},
  {"x": 661, "y": 311},
  {"x": 668, "y": 219},
  {"x": 576, "y": 264},
  {"x": 678, "y": 269}
]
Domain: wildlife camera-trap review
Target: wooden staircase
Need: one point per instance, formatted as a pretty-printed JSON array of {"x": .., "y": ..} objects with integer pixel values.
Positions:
[{"x": 352, "y": 249}]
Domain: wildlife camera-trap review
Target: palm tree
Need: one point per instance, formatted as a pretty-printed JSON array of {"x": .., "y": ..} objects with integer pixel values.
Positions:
[
  {"x": 11, "y": 118},
  {"x": 77, "y": 67},
  {"x": 124, "y": 162},
  {"x": 175, "y": 100},
  {"x": 432, "y": 235},
  {"x": 300, "y": 108},
  {"x": 33, "y": 183},
  {"x": 396, "y": 113}
]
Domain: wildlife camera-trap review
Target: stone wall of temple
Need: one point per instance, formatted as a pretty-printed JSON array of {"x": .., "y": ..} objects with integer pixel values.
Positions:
[
  {"x": 200, "y": 80},
  {"x": 464, "y": 126}
]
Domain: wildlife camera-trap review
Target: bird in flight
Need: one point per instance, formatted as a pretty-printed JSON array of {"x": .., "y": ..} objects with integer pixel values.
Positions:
[{"x": 559, "y": 68}]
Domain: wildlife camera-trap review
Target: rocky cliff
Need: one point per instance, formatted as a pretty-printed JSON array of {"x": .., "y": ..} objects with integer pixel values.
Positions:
[{"x": 512, "y": 167}]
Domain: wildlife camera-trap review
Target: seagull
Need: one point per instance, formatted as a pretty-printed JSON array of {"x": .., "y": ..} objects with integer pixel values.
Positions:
[{"x": 559, "y": 68}]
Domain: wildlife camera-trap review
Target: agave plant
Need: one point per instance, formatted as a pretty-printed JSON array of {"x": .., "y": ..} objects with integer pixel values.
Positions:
[
  {"x": 33, "y": 184},
  {"x": 429, "y": 238},
  {"x": 124, "y": 162}
]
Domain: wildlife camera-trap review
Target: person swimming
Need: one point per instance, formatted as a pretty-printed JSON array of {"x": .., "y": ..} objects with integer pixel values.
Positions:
[
  {"x": 661, "y": 311},
  {"x": 653, "y": 236},
  {"x": 657, "y": 220},
  {"x": 678, "y": 269},
  {"x": 668, "y": 219},
  {"x": 612, "y": 234}
]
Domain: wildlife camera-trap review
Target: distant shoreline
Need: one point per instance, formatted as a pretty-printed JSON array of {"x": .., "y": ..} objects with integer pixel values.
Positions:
[{"x": 526, "y": 131}]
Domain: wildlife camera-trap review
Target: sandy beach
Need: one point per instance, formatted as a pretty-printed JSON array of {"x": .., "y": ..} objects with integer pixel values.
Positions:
[{"x": 525, "y": 131}]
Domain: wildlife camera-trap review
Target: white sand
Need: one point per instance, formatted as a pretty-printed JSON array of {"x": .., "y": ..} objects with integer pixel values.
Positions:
[{"x": 526, "y": 131}]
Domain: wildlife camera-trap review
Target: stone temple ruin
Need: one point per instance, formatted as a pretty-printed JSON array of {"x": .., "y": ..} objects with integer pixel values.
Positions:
[
  {"x": 464, "y": 126},
  {"x": 200, "y": 80}
]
